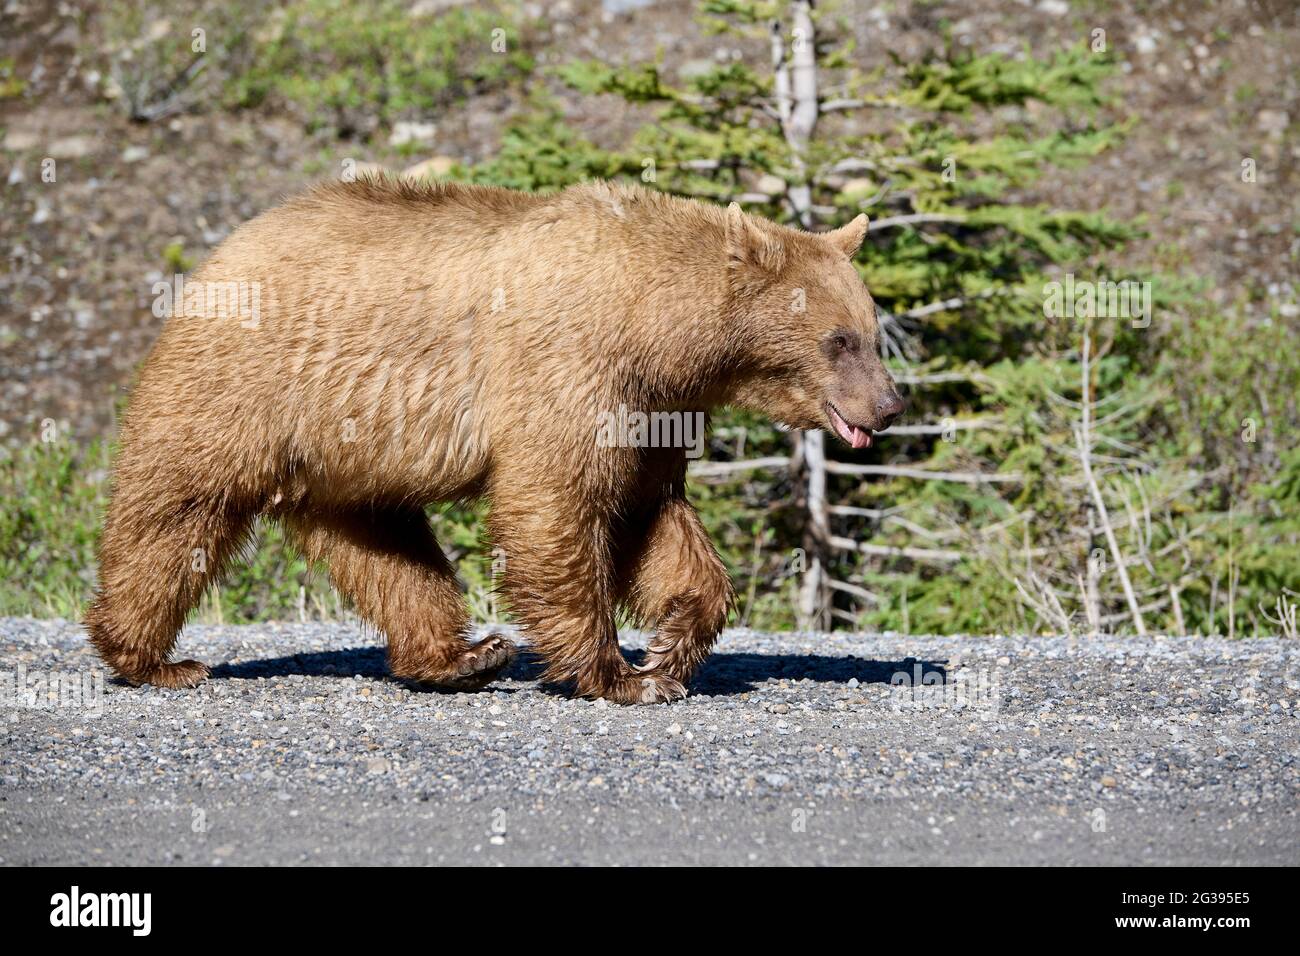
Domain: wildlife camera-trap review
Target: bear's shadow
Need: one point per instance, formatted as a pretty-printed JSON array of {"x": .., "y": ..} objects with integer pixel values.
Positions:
[{"x": 724, "y": 673}]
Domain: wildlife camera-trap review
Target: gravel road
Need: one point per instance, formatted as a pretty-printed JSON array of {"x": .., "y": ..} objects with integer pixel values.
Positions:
[{"x": 791, "y": 748}]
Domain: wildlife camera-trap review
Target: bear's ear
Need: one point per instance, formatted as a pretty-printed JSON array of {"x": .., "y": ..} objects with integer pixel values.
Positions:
[
  {"x": 848, "y": 239},
  {"x": 750, "y": 247}
]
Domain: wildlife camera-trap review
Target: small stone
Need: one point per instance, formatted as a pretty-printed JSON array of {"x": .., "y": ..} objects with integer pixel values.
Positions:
[
  {"x": 71, "y": 147},
  {"x": 412, "y": 132},
  {"x": 1273, "y": 122},
  {"x": 433, "y": 168},
  {"x": 18, "y": 141},
  {"x": 858, "y": 187},
  {"x": 693, "y": 68},
  {"x": 355, "y": 170}
]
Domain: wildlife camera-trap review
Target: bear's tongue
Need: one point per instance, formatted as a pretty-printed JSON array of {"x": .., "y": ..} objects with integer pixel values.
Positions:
[{"x": 855, "y": 436}]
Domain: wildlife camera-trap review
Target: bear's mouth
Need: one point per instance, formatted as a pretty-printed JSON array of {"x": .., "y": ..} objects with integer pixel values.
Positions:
[{"x": 855, "y": 435}]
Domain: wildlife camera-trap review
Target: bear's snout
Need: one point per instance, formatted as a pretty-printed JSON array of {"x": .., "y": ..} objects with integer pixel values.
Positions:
[{"x": 889, "y": 408}]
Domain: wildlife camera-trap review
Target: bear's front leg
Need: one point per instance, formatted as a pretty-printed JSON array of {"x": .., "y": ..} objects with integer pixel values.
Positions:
[
  {"x": 558, "y": 577},
  {"x": 673, "y": 578}
]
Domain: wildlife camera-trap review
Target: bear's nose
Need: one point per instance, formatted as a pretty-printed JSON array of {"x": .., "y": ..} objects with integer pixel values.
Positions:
[{"x": 889, "y": 409}]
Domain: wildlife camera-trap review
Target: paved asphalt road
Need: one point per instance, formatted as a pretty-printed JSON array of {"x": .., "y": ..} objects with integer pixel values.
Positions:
[{"x": 791, "y": 748}]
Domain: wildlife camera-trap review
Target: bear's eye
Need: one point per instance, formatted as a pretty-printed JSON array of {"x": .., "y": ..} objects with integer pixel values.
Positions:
[{"x": 844, "y": 341}]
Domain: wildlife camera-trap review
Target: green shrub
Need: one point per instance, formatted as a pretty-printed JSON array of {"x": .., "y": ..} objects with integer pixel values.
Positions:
[
  {"x": 347, "y": 67},
  {"x": 53, "y": 496},
  {"x": 351, "y": 67}
]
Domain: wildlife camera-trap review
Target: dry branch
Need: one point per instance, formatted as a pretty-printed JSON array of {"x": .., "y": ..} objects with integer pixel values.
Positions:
[
  {"x": 905, "y": 471},
  {"x": 1082, "y": 440},
  {"x": 888, "y": 551}
]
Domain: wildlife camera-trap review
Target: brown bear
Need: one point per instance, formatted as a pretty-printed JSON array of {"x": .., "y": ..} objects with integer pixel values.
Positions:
[{"x": 368, "y": 348}]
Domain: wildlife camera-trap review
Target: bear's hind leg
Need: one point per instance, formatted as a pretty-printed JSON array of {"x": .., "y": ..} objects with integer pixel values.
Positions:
[
  {"x": 157, "y": 555},
  {"x": 389, "y": 563}
]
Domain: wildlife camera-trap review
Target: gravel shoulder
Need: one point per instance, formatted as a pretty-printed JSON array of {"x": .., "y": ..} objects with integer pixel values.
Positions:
[{"x": 792, "y": 748}]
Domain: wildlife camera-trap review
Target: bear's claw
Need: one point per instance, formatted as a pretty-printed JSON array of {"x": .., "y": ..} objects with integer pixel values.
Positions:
[
  {"x": 476, "y": 666},
  {"x": 182, "y": 674},
  {"x": 645, "y": 688}
]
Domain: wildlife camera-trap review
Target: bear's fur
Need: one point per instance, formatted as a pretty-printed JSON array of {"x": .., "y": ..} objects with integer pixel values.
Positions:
[{"x": 422, "y": 343}]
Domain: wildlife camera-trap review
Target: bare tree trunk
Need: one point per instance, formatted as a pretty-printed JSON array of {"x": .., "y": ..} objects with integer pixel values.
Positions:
[
  {"x": 1092, "y": 592},
  {"x": 1177, "y": 600},
  {"x": 814, "y": 591},
  {"x": 795, "y": 85},
  {"x": 803, "y": 105}
]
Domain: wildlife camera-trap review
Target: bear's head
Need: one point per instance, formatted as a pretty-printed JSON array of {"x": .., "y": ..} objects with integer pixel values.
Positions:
[{"x": 813, "y": 355}]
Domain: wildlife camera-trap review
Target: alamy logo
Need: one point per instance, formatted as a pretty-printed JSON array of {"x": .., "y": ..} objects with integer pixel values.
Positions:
[
  {"x": 631, "y": 429},
  {"x": 928, "y": 687},
  {"x": 41, "y": 690},
  {"x": 209, "y": 300},
  {"x": 103, "y": 909},
  {"x": 1098, "y": 300}
]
